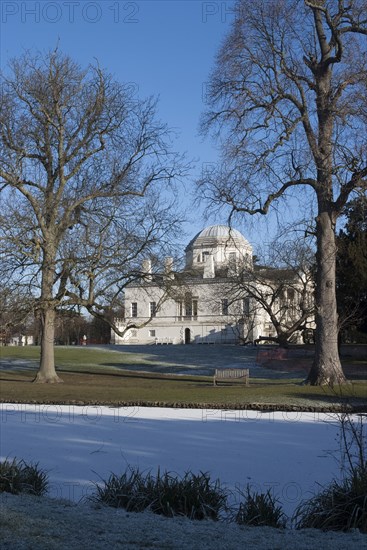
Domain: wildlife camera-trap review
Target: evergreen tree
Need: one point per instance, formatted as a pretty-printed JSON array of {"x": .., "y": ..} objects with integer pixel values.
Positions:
[{"x": 352, "y": 270}]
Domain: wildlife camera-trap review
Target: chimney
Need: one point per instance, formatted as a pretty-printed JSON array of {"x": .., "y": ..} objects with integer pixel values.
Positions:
[
  {"x": 146, "y": 268},
  {"x": 168, "y": 268},
  {"x": 209, "y": 270}
]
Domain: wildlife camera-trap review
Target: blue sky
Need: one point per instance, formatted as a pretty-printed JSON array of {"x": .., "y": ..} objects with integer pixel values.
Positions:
[{"x": 164, "y": 48}]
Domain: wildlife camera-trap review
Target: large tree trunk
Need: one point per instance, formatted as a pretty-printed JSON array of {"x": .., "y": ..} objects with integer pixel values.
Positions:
[
  {"x": 326, "y": 368},
  {"x": 47, "y": 372}
]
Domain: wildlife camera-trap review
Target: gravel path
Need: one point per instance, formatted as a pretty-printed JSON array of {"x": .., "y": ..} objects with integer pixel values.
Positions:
[{"x": 33, "y": 523}]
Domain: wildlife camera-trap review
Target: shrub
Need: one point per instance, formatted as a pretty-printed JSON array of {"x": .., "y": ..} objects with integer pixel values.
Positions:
[
  {"x": 193, "y": 496},
  {"x": 340, "y": 506},
  {"x": 19, "y": 477},
  {"x": 260, "y": 509}
]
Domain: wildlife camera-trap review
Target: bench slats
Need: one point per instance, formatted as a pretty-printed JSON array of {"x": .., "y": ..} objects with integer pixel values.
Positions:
[{"x": 231, "y": 374}]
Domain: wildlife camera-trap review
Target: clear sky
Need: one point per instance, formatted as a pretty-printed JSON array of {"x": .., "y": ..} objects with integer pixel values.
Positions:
[{"x": 165, "y": 48}]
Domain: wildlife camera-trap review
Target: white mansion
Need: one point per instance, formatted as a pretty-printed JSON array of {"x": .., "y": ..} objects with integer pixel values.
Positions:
[{"x": 205, "y": 302}]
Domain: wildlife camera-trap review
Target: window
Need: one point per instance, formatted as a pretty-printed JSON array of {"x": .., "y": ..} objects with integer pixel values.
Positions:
[
  {"x": 134, "y": 309},
  {"x": 188, "y": 309},
  {"x": 246, "y": 306},
  {"x": 309, "y": 299},
  {"x": 152, "y": 333},
  {"x": 188, "y": 304},
  {"x": 201, "y": 257},
  {"x": 134, "y": 333},
  {"x": 152, "y": 309},
  {"x": 291, "y": 294},
  {"x": 224, "y": 305}
]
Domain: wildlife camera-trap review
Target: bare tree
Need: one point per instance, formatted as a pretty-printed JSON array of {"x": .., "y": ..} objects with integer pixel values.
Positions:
[
  {"x": 285, "y": 291},
  {"x": 70, "y": 326},
  {"x": 82, "y": 162},
  {"x": 288, "y": 100},
  {"x": 280, "y": 297},
  {"x": 15, "y": 313}
]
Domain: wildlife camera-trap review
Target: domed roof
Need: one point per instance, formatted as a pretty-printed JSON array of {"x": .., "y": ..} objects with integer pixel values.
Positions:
[
  {"x": 221, "y": 231},
  {"x": 218, "y": 233}
]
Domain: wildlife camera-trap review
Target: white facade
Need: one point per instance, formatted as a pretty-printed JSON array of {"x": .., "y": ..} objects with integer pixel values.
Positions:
[
  {"x": 21, "y": 340},
  {"x": 195, "y": 306}
]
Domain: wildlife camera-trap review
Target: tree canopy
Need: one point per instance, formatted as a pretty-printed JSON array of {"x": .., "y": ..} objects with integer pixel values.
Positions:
[
  {"x": 287, "y": 101},
  {"x": 351, "y": 269},
  {"x": 84, "y": 164}
]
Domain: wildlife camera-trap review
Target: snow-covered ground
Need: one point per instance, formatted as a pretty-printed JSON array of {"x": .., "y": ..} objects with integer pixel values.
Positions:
[
  {"x": 31, "y": 523},
  {"x": 290, "y": 453}
]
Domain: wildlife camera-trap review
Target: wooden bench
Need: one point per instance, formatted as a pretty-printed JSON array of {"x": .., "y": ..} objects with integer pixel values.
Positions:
[{"x": 224, "y": 375}]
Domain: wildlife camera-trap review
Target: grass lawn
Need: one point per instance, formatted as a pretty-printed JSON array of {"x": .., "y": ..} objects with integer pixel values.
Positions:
[{"x": 107, "y": 376}]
